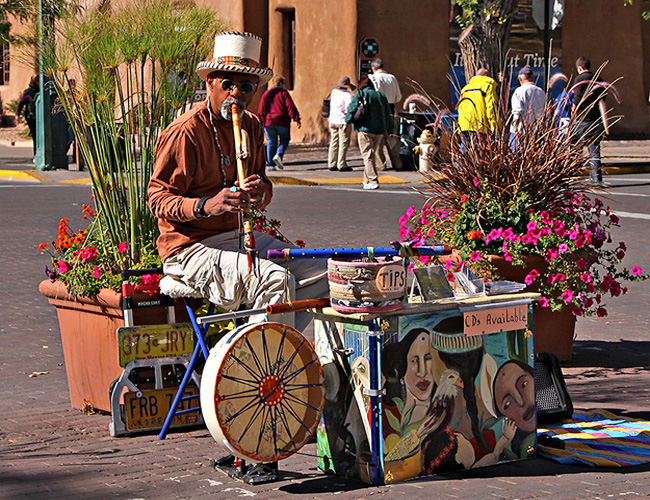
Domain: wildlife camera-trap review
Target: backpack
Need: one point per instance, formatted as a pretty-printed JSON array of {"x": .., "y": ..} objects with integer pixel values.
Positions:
[
  {"x": 362, "y": 112},
  {"x": 563, "y": 104}
]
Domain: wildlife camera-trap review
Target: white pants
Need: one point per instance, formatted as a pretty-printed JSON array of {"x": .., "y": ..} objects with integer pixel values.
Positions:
[{"x": 218, "y": 269}]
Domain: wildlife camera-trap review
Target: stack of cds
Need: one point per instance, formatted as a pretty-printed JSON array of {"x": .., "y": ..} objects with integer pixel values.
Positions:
[{"x": 500, "y": 287}]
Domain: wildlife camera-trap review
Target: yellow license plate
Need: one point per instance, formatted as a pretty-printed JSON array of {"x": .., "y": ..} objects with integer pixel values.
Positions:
[
  {"x": 148, "y": 412},
  {"x": 154, "y": 341}
]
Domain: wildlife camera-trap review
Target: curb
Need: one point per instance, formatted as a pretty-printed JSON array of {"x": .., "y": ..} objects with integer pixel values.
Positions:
[{"x": 22, "y": 175}]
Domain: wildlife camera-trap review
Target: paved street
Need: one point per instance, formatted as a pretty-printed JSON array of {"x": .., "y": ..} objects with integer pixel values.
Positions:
[{"x": 49, "y": 450}]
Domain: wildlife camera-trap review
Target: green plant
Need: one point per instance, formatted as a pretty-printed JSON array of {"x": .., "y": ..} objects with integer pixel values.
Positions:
[
  {"x": 122, "y": 75},
  {"x": 533, "y": 199}
]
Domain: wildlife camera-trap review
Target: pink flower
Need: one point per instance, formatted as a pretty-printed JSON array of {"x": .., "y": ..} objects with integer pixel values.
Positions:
[
  {"x": 530, "y": 277},
  {"x": 88, "y": 253},
  {"x": 476, "y": 182},
  {"x": 507, "y": 256},
  {"x": 122, "y": 247},
  {"x": 562, "y": 247},
  {"x": 636, "y": 270},
  {"x": 64, "y": 267},
  {"x": 410, "y": 211},
  {"x": 551, "y": 254},
  {"x": 96, "y": 272},
  {"x": 543, "y": 302},
  {"x": 449, "y": 265},
  {"x": 567, "y": 296},
  {"x": 531, "y": 226},
  {"x": 586, "y": 277},
  {"x": 475, "y": 256}
]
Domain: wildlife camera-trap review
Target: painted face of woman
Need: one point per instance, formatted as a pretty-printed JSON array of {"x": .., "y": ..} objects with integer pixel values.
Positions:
[
  {"x": 418, "y": 379},
  {"x": 514, "y": 395}
]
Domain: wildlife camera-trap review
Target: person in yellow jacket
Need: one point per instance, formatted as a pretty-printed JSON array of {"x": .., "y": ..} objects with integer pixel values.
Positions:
[{"x": 478, "y": 105}]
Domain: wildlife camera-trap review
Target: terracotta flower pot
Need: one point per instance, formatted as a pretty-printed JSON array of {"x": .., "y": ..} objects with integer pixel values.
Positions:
[
  {"x": 88, "y": 333},
  {"x": 554, "y": 330}
]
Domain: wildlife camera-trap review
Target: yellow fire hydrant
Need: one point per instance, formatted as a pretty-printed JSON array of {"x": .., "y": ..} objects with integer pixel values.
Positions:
[{"x": 426, "y": 150}]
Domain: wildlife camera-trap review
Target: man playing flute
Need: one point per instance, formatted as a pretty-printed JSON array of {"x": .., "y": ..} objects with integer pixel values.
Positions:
[{"x": 198, "y": 198}]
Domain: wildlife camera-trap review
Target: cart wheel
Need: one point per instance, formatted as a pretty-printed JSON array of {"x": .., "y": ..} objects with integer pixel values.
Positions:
[{"x": 262, "y": 392}]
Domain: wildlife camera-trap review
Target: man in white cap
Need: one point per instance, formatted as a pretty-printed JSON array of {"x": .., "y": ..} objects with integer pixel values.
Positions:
[{"x": 198, "y": 200}]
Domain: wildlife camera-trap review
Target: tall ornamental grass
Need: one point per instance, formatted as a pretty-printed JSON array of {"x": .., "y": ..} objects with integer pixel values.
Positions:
[{"x": 122, "y": 75}]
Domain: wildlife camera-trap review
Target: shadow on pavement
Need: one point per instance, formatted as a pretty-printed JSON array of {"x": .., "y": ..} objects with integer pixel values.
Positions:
[{"x": 618, "y": 354}]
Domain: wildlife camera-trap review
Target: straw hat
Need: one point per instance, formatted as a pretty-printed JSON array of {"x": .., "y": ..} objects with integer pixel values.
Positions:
[{"x": 236, "y": 52}]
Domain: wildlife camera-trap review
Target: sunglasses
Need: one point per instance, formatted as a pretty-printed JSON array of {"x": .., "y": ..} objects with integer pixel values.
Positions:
[{"x": 244, "y": 87}]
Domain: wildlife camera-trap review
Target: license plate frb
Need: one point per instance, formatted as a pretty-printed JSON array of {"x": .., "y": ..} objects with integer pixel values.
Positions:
[{"x": 148, "y": 412}]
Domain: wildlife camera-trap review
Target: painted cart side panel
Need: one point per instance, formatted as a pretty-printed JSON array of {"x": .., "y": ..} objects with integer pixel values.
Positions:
[{"x": 449, "y": 401}]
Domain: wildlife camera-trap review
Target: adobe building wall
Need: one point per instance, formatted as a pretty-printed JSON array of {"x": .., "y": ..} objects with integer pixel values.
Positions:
[
  {"x": 620, "y": 37},
  {"x": 325, "y": 40},
  {"x": 413, "y": 41}
]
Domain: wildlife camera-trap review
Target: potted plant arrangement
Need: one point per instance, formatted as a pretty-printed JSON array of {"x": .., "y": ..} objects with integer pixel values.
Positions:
[
  {"x": 527, "y": 214},
  {"x": 121, "y": 76}
]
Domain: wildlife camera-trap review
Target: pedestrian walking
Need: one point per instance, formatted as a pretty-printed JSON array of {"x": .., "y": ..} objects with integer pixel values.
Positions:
[
  {"x": 27, "y": 108},
  {"x": 276, "y": 110},
  {"x": 590, "y": 116},
  {"x": 528, "y": 102},
  {"x": 371, "y": 128},
  {"x": 478, "y": 111},
  {"x": 340, "y": 131},
  {"x": 388, "y": 85}
]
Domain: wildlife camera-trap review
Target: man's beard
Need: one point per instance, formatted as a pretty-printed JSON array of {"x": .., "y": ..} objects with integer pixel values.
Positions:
[{"x": 226, "y": 107}]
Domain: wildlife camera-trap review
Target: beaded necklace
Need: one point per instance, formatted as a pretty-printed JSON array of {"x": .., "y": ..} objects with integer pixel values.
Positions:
[{"x": 223, "y": 159}]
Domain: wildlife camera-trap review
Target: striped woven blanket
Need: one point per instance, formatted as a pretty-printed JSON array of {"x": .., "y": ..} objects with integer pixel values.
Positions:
[{"x": 598, "y": 438}]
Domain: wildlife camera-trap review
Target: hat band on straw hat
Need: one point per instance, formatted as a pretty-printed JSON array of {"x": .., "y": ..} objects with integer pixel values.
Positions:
[{"x": 237, "y": 61}]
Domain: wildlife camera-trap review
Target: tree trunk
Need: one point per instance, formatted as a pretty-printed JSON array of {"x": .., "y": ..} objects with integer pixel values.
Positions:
[{"x": 484, "y": 43}]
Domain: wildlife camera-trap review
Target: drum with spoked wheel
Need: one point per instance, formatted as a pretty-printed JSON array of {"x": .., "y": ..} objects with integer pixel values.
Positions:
[{"x": 262, "y": 392}]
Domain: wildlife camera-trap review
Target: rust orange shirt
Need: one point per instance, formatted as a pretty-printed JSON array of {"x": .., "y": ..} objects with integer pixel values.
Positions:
[{"x": 188, "y": 167}]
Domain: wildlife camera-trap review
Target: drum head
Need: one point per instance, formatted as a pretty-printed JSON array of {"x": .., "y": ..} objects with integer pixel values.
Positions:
[{"x": 262, "y": 392}]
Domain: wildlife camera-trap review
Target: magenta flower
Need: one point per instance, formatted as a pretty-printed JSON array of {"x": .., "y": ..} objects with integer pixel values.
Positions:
[
  {"x": 507, "y": 256},
  {"x": 531, "y": 226},
  {"x": 96, "y": 272},
  {"x": 448, "y": 265},
  {"x": 551, "y": 254},
  {"x": 567, "y": 296},
  {"x": 586, "y": 277},
  {"x": 543, "y": 302},
  {"x": 64, "y": 267},
  {"x": 562, "y": 248},
  {"x": 475, "y": 256},
  {"x": 122, "y": 247},
  {"x": 636, "y": 270},
  {"x": 476, "y": 182}
]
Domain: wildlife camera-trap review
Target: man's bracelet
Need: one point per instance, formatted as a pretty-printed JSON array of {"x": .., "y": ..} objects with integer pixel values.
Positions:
[{"x": 200, "y": 207}]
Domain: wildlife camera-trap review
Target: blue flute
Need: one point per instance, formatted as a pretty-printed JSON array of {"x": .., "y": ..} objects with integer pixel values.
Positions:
[{"x": 398, "y": 249}]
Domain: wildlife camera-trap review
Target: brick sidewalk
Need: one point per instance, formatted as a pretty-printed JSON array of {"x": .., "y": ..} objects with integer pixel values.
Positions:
[{"x": 49, "y": 450}]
